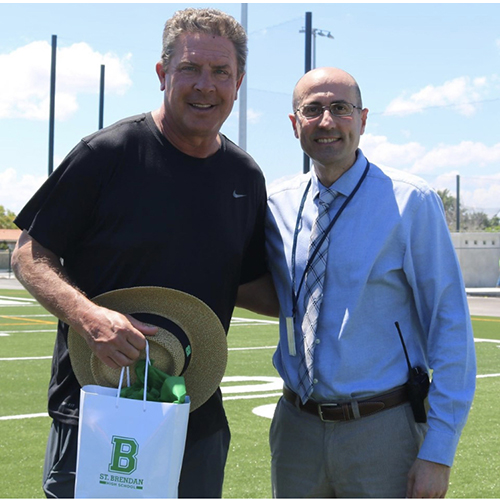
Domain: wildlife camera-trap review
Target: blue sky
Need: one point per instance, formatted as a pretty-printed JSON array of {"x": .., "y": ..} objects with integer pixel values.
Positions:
[{"x": 429, "y": 74}]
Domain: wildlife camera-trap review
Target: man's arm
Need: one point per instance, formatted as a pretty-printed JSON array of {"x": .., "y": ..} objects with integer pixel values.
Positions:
[
  {"x": 259, "y": 296},
  {"x": 116, "y": 339},
  {"x": 434, "y": 274}
]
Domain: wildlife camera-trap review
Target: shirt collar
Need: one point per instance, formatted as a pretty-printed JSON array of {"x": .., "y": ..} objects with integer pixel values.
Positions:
[{"x": 346, "y": 183}]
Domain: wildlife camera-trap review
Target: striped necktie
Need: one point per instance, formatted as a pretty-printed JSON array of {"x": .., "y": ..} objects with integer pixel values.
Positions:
[{"x": 313, "y": 294}]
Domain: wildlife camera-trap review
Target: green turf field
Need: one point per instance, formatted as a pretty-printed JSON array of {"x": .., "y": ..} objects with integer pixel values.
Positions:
[{"x": 26, "y": 340}]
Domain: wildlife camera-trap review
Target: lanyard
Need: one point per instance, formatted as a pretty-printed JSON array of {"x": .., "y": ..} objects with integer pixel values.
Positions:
[{"x": 295, "y": 295}]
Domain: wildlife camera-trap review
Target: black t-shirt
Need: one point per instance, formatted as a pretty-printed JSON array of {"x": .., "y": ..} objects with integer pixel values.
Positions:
[{"x": 126, "y": 208}]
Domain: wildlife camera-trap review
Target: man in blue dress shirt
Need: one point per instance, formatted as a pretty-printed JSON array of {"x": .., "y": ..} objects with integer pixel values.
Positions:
[{"x": 389, "y": 259}]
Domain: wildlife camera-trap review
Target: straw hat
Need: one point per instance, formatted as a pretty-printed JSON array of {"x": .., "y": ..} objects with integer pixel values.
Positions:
[{"x": 190, "y": 341}]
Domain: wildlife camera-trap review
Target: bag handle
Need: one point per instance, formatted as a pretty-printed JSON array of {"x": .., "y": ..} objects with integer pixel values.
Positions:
[{"x": 148, "y": 363}]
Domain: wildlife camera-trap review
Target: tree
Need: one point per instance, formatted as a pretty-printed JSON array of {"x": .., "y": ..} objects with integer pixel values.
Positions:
[
  {"x": 470, "y": 221},
  {"x": 450, "y": 208},
  {"x": 493, "y": 224},
  {"x": 6, "y": 222},
  {"x": 7, "y": 219}
]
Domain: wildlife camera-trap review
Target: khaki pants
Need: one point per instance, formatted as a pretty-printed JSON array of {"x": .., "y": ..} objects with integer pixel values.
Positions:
[{"x": 366, "y": 457}]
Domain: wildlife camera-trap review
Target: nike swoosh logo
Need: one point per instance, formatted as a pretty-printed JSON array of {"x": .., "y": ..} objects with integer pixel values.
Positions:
[{"x": 237, "y": 196}]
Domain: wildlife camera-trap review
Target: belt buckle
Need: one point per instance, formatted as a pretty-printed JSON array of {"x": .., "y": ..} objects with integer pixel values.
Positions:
[{"x": 320, "y": 411}]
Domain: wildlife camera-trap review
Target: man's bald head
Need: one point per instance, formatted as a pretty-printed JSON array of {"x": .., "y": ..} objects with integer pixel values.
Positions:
[{"x": 325, "y": 77}]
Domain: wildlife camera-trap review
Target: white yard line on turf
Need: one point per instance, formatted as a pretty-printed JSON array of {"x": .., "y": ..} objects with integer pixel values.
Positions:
[
  {"x": 251, "y": 348},
  {"x": 13, "y": 298},
  {"x": 27, "y": 358},
  {"x": 5, "y": 333},
  {"x": 24, "y": 416}
]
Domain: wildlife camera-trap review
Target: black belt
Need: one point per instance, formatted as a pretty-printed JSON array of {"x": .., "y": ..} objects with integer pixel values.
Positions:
[{"x": 345, "y": 411}]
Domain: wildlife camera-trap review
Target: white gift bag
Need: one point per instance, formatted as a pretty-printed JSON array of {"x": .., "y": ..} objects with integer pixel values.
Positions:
[{"x": 129, "y": 448}]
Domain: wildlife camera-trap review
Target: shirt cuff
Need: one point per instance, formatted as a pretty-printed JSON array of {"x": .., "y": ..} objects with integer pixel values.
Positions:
[{"x": 439, "y": 447}]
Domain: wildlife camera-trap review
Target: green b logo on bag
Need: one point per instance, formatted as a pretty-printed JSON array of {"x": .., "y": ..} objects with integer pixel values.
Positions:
[
  {"x": 124, "y": 455},
  {"x": 123, "y": 462}
]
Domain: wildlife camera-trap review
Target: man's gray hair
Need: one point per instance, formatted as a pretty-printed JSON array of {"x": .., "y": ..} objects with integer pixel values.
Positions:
[{"x": 207, "y": 21}]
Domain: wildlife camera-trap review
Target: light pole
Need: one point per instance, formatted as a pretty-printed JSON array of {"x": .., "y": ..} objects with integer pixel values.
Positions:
[
  {"x": 242, "y": 129},
  {"x": 310, "y": 47},
  {"x": 308, "y": 31},
  {"x": 52, "y": 103},
  {"x": 101, "y": 97},
  {"x": 318, "y": 32}
]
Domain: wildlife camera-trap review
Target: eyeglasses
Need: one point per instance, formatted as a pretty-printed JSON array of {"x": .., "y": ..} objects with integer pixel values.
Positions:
[{"x": 311, "y": 111}]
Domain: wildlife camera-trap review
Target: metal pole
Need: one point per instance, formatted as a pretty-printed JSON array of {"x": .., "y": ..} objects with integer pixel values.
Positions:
[
  {"x": 313, "y": 49},
  {"x": 458, "y": 203},
  {"x": 308, "y": 65},
  {"x": 101, "y": 98},
  {"x": 307, "y": 68},
  {"x": 52, "y": 103},
  {"x": 242, "y": 129}
]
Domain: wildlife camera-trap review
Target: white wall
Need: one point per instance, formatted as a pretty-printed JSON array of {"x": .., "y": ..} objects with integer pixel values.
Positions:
[{"x": 478, "y": 254}]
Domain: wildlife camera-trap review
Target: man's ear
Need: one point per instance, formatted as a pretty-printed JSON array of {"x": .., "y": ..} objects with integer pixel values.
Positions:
[
  {"x": 160, "y": 71},
  {"x": 364, "y": 117},
  {"x": 238, "y": 85},
  {"x": 293, "y": 119}
]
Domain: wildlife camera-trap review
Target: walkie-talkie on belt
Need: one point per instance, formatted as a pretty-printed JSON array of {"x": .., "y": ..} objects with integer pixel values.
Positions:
[{"x": 417, "y": 385}]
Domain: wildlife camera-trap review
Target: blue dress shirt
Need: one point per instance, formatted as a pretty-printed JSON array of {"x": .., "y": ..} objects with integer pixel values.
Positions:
[{"x": 390, "y": 258}]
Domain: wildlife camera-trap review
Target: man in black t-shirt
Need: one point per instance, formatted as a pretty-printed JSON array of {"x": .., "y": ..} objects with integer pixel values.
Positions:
[{"x": 159, "y": 199}]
